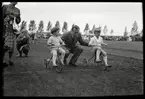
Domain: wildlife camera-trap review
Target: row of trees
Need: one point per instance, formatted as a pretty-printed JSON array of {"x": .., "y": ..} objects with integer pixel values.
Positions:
[
  {"x": 32, "y": 26},
  {"x": 134, "y": 30},
  {"x": 105, "y": 30}
]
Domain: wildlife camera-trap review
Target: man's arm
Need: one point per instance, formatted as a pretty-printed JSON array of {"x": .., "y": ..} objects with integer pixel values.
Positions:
[
  {"x": 91, "y": 42},
  {"x": 81, "y": 41},
  {"x": 64, "y": 36}
]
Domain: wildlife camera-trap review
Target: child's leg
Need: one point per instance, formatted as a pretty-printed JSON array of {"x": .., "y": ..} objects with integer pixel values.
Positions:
[
  {"x": 105, "y": 57},
  {"x": 98, "y": 55},
  {"x": 62, "y": 51},
  {"x": 54, "y": 57},
  {"x": 97, "y": 51}
]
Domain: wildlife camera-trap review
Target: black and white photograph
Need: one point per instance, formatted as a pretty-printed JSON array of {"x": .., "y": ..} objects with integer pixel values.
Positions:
[{"x": 63, "y": 49}]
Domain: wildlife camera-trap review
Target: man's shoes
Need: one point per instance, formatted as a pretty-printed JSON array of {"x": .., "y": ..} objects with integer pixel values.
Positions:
[
  {"x": 109, "y": 66},
  {"x": 71, "y": 64}
]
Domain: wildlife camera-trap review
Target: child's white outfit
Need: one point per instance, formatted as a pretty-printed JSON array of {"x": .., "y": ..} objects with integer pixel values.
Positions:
[
  {"x": 97, "y": 45},
  {"x": 56, "y": 41},
  {"x": 97, "y": 42}
]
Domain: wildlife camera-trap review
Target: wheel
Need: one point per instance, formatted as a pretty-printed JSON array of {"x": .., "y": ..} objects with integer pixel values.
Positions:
[{"x": 59, "y": 67}]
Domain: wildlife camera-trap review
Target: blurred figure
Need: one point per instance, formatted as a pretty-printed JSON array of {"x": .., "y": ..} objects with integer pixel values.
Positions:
[
  {"x": 10, "y": 14},
  {"x": 23, "y": 43}
]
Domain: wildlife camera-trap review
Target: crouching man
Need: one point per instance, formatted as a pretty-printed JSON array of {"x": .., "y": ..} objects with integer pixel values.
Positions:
[{"x": 70, "y": 39}]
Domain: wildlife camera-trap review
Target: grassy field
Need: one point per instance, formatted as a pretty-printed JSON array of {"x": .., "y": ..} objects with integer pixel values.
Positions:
[
  {"x": 125, "y": 45},
  {"x": 135, "y": 46},
  {"x": 124, "y": 48},
  {"x": 30, "y": 78}
]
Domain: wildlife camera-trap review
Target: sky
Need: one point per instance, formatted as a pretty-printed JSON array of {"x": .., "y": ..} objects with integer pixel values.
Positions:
[{"x": 116, "y": 16}]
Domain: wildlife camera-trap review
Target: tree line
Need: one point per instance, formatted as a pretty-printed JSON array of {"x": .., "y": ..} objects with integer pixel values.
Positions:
[{"x": 87, "y": 30}]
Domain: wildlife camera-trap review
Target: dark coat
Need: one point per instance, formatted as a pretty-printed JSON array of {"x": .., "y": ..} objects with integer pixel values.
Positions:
[{"x": 72, "y": 41}]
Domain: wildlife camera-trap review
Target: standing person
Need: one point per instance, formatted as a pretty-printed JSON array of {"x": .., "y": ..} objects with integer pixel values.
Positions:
[
  {"x": 55, "y": 43},
  {"x": 9, "y": 13},
  {"x": 96, "y": 43},
  {"x": 70, "y": 39}
]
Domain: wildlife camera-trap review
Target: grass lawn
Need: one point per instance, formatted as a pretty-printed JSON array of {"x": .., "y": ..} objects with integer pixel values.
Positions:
[
  {"x": 135, "y": 46},
  {"x": 30, "y": 78}
]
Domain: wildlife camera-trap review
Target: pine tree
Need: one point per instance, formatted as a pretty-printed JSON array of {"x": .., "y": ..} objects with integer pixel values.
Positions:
[
  {"x": 92, "y": 31},
  {"x": 32, "y": 25},
  {"x": 65, "y": 27},
  {"x": 134, "y": 29},
  {"x": 49, "y": 26},
  {"x": 41, "y": 27},
  {"x": 125, "y": 32},
  {"x": 105, "y": 30},
  {"x": 57, "y": 24},
  {"x": 86, "y": 27},
  {"x": 111, "y": 32}
]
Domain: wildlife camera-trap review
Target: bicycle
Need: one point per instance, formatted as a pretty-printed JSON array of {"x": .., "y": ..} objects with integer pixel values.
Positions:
[
  {"x": 86, "y": 60},
  {"x": 59, "y": 66}
]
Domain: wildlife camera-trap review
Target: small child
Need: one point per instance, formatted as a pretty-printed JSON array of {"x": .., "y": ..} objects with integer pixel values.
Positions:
[
  {"x": 55, "y": 43},
  {"x": 96, "y": 42},
  {"x": 23, "y": 44}
]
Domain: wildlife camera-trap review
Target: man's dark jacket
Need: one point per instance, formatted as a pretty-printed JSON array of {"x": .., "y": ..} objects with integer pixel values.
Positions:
[{"x": 71, "y": 41}]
